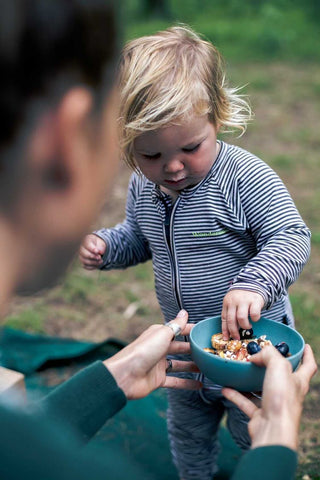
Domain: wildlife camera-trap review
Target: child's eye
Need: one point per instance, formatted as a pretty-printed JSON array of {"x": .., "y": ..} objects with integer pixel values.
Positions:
[
  {"x": 152, "y": 157},
  {"x": 193, "y": 149}
]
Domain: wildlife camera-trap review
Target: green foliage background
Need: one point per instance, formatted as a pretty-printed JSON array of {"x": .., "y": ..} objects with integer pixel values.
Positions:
[{"x": 252, "y": 30}]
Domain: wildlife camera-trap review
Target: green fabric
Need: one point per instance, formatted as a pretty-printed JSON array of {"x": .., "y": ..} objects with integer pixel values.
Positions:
[
  {"x": 27, "y": 353},
  {"x": 274, "y": 462},
  {"x": 137, "y": 434}
]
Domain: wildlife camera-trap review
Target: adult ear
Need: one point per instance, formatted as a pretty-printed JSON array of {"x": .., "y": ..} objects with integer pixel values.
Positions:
[
  {"x": 59, "y": 144},
  {"x": 60, "y": 163}
]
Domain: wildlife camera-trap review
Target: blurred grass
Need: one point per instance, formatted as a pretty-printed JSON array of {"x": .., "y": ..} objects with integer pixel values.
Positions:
[{"x": 29, "y": 319}]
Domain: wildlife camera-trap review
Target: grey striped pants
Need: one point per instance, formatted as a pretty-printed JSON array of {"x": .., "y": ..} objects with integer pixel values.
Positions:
[{"x": 193, "y": 421}]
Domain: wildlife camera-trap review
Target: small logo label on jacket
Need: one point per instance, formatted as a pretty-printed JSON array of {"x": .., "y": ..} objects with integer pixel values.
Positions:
[{"x": 209, "y": 234}]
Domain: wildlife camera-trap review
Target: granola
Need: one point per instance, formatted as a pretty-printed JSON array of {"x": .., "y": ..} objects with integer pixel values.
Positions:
[{"x": 239, "y": 350}]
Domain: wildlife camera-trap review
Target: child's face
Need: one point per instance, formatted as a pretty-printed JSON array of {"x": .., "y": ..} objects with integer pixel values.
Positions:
[{"x": 177, "y": 156}]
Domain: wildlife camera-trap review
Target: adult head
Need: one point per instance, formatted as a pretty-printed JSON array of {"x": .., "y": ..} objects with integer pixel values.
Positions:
[{"x": 58, "y": 140}]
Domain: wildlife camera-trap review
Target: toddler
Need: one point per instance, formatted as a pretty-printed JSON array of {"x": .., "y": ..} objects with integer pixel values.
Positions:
[{"x": 220, "y": 227}]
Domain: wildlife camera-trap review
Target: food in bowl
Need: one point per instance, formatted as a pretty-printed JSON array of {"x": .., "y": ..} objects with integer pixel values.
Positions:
[
  {"x": 241, "y": 350},
  {"x": 243, "y": 376}
]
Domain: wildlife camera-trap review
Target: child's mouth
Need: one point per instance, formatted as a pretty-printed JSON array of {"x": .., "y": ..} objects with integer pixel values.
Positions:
[{"x": 175, "y": 182}]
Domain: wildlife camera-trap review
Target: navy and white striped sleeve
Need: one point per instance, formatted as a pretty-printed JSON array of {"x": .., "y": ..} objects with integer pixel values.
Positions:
[
  {"x": 282, "y": 238},
  {"x": 126, "y": 245}
]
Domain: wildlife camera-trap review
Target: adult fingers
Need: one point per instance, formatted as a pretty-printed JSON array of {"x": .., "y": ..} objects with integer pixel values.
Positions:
[
  {"x": 187, "y": 329},
  {"x": 267, "y": 355},
  {"x": 181, "y": 320},
  {"x": 182, "y": 366},
  {"x": 182, "y": 383},
  {"x": 309, "y": 365},
  {"x": 156, "y": 341},
  {"x": 179, "y": 347},
  {"x": 242, "y": 402},
  {"x": 307, "y": 369}
]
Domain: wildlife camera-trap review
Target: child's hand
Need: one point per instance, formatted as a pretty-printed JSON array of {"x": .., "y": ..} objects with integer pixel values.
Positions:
[
  {"x": 237, "y": 306},
  {"x": 91, "y": 251}
]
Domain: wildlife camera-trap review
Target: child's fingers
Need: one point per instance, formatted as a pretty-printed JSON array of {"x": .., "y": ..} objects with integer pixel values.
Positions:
[
  {"x": 92, "y": 263},
  {"x": 94, "y": 244},
  {"x": 256, "y": 305},
  {"x": 98, "y": 245},
  {"x": 242, "y": 316},
  {"x": 89, "y": 263},
  {"x": 88, "y": 247},
  {"x": 93, "y": 247},
  {"x": 255, "y": 312},
  {"x": 87, "y": 267},
  {"x": 224, "y": 323},
  {"x": 231, "y": 323},
  {"x": 87, "y": 255}
]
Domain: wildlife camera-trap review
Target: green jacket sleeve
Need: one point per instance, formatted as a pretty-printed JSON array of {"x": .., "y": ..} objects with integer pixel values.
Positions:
[
  {"x": 86, "y": 401},
  {"x": 33, "y": 447},
  {"x": 273, "y": 462},
  {"x": 44, "y": 443}
]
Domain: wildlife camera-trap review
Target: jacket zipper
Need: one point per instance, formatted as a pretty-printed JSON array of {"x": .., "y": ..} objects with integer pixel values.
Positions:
[{"x": 168, "y": 234}]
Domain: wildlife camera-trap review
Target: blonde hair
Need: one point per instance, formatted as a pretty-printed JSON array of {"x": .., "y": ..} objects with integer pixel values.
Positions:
[{"x": 169, "y": 76}]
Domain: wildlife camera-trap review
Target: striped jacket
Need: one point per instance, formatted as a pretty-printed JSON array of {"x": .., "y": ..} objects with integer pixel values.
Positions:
[{"x": 237, "y": 229}]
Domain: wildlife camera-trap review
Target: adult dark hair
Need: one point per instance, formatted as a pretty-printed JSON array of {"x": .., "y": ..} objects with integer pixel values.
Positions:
[{"x": 46, "y": 47}]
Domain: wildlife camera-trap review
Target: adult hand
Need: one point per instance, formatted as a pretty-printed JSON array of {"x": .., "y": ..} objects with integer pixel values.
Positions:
[
  {"x": 91, "y": 251},
  {"x": 236, "y": 308},
  {"x": 277, "y": 421},
  {"x": 141, "y": 367}
]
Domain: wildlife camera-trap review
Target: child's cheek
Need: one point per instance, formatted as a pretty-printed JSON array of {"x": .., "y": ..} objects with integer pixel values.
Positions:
[{"x": 149, "y": 171}]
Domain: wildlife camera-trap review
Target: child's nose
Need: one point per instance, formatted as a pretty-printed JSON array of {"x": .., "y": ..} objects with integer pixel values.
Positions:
[{"x": 174, "y": 165}]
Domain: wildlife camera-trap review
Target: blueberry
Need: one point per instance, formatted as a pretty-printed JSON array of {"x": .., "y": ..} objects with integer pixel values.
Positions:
[
  {"x": 253, "y": 348},
  {"x": 245, "y": 334},
  {"x": 282, "y": 348}
]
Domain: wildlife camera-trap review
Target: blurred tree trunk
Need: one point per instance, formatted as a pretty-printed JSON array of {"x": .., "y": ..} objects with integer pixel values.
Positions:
[{"x": 156, "y": 8}]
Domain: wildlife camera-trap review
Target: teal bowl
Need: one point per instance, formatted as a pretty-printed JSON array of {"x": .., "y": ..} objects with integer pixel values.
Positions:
[{"x": 243, "y": 376}]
